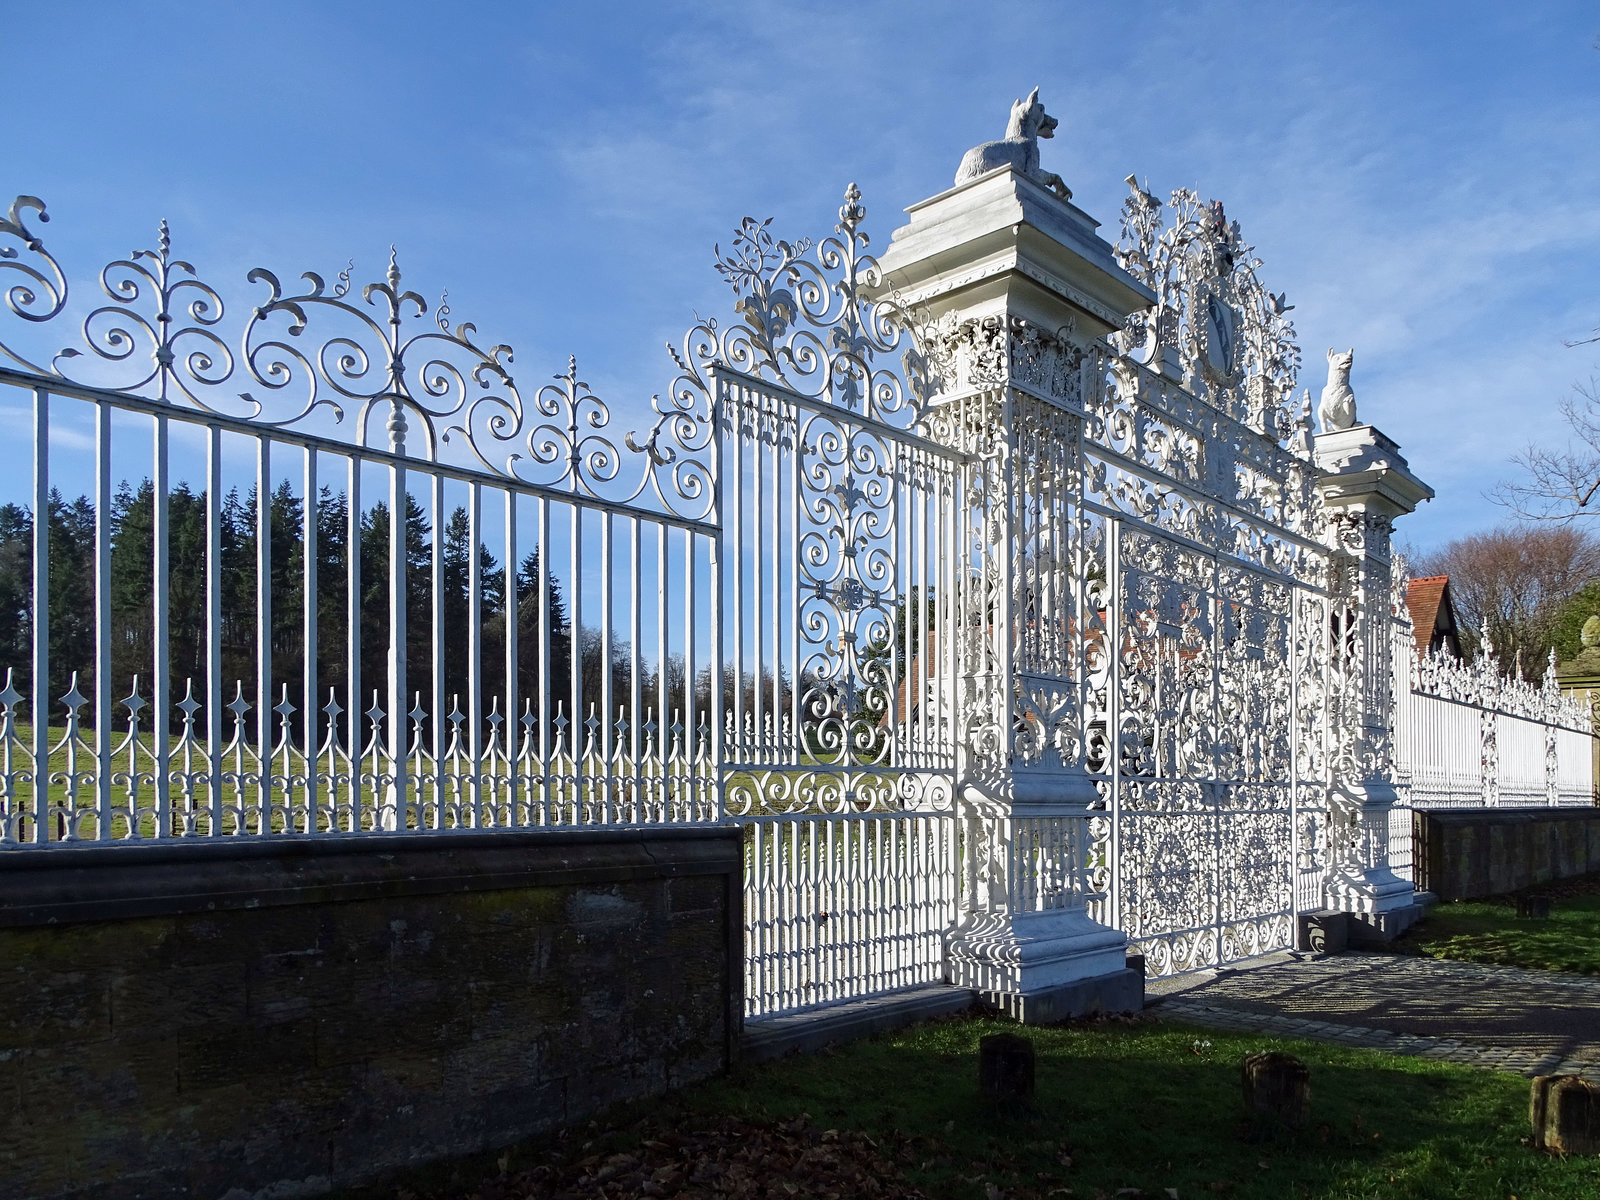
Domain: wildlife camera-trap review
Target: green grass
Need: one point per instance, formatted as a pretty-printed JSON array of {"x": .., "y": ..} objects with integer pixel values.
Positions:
[
  {"x": 1146, "y": 1106},
  {"x": 1489, "y": 931},
  {"x": 242, "y": 806}
]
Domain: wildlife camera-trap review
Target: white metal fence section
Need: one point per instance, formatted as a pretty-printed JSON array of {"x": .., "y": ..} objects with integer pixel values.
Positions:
[
  {"x": 1466, "y": 736},
  {"x": 330, "y": 586},
  {"x": 845, "y": 905},
  {"x": 338, "y": 573}
]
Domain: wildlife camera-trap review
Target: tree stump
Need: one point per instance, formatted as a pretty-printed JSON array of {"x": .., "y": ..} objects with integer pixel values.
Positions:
[
  {"x": 1564, "y": 1111},
  {"x": 1277, "y": 1089},
  {"x": 1005, "y": 1070},
  {"x": 1537, "y": 907}
]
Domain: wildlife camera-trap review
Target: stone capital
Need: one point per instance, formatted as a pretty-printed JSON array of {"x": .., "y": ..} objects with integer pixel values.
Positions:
[
  {"x": 1362, "y": 468},
  {"x": 1003, "y": 245}
]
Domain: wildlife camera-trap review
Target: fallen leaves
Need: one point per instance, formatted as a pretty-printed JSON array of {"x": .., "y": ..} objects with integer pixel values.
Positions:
[{"x": 736, "y": 1158}]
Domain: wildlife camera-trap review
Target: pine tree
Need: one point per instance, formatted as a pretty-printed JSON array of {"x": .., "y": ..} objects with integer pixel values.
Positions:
[
  {"x": 71, "y": 640},
  {"x": 16, "y": 596}
]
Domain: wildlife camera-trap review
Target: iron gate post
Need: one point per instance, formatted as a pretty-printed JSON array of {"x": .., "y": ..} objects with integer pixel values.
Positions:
[
  {"x": 1013, "y": 288},
  {"x": 1365, "y": 485}
]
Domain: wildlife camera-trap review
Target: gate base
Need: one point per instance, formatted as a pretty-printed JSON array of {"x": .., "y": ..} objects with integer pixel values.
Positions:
[
  {"x": 1120, "y": 991},
  {"x": 1381, "y": 928}
]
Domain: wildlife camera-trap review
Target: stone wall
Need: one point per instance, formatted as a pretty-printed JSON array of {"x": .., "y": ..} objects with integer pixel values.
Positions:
[
  {"x": 1466, "y": 853},
  {"x": 284, "y": 1017}
]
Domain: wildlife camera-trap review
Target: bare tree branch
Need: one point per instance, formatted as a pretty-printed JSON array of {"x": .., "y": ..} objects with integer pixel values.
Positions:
[{"x": 1560, "y": 485}]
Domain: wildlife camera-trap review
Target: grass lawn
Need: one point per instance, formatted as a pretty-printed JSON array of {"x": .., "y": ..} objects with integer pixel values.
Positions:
[
  {"x": 1124, "y": 1109},
  {"x": 1489, "y": 931}
]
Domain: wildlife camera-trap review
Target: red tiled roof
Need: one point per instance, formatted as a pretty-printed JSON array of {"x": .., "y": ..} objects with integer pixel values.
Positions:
[{"x": 1423, "y": 598}]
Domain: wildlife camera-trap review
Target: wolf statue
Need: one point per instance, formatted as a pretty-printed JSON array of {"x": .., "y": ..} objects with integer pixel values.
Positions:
[
  {"x": 1337, "y": 409},
  {"x": 1019, "y": 149}
]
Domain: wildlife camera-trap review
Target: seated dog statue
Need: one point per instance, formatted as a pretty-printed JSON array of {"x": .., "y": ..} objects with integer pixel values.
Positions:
[
  {"x": 1019, "y": 149},
  {"x": 1338, "y": 407}
]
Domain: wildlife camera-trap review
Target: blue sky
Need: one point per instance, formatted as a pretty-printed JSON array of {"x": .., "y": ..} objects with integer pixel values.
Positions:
[{"x": 1420, "y": 178}]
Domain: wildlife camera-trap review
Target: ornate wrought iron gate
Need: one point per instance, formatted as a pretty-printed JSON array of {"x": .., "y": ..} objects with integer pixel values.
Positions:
[
  {"x": 839, "y": 567},
  {"x": 971, "y": 620},
  {"x": 1211, "y": 818}
]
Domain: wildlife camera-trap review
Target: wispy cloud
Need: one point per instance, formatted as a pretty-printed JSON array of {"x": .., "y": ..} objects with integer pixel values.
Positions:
[{"x": 1416, "y": 177}]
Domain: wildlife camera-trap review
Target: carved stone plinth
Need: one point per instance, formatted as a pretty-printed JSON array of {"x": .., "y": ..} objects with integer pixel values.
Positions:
[
  {"x": 1025, "y": 940},
  {"x": 1323, "y": 931},
  {"x": 1362, "y": 883},
  {"x": 1002, "y": 954}
]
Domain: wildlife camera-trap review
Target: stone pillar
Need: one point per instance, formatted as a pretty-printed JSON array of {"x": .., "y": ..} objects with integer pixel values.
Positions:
[
  {"x": 1365, "y": 485},
  {"x": 1010, "y": 286}
]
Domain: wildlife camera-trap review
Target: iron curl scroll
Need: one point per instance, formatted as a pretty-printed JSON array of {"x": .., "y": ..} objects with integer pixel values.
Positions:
[
  {"x": 457, "y": 390},
  {"x": 35, "y": 287},
  {"x": 379, "y": 368},
  {"x": 818, "y": 320}
]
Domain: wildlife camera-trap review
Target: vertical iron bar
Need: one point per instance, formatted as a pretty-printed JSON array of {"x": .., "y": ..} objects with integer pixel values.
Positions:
[
  {"x": 735, "y": 399},
  {"x": 663, "y": 700},
  {"x": 544, "y": 609},
  {"x": 776, "y": 750},
  {"x": 102, "y": 623},
  {"x": 715, "y": 646},
  {"x": 577, "y": 726},
  {"x": 441, "y": 723},
  {"x": 160, "y": 642},
  {"x": 310, "y": 603},
  {"x": 756, "y": 748},
  {"x": 513, "y": 655},
  {"x": 636, "y": 664},
  {"x": 689, "y": 606},
  {"x": 214, "y": 626},
  {"x": 607, "y": 615},
  {"x": 263, "y": 634},
  {"x": 41, "y": 617},
  {"x": 791, "y": 615},
  {"x": 475, "y": 647},
  {"x": 396, "y": 815},
  {"x": 353, "y": 610}
]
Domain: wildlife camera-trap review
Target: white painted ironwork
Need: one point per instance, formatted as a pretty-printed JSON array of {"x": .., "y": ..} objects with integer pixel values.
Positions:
[
  {"x": 577, "y": 716},
  {"x": 1215, "y": 765},
  {"x": 1469, "y": 735},
  {"x": 977, "y": 623}
]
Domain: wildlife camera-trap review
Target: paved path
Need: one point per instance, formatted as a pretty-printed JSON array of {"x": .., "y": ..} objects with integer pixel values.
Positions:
[{"x": 1501, "y": 1018}]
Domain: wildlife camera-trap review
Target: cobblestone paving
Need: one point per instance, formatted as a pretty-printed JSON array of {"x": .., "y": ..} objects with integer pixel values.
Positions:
[{"x": 1498, "y": 1018}]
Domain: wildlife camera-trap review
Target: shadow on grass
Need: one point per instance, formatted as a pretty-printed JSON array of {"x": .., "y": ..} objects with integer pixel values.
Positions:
[{"x": 1146, "y": 1106}]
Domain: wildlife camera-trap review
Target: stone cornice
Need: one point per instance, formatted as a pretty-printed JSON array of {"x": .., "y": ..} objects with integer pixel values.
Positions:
[{"x": 1013, "y": 261}]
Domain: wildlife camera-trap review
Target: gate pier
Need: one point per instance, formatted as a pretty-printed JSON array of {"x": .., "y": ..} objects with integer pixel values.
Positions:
[
  {"x": 1366, "y": 484},
  {"x": 1012, "y": 289}
]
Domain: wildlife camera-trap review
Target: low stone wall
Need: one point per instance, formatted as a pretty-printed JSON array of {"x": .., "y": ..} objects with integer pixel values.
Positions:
[
  {"x": 279, "y": 1018},
  {"x": 1461, "y": 854}
]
